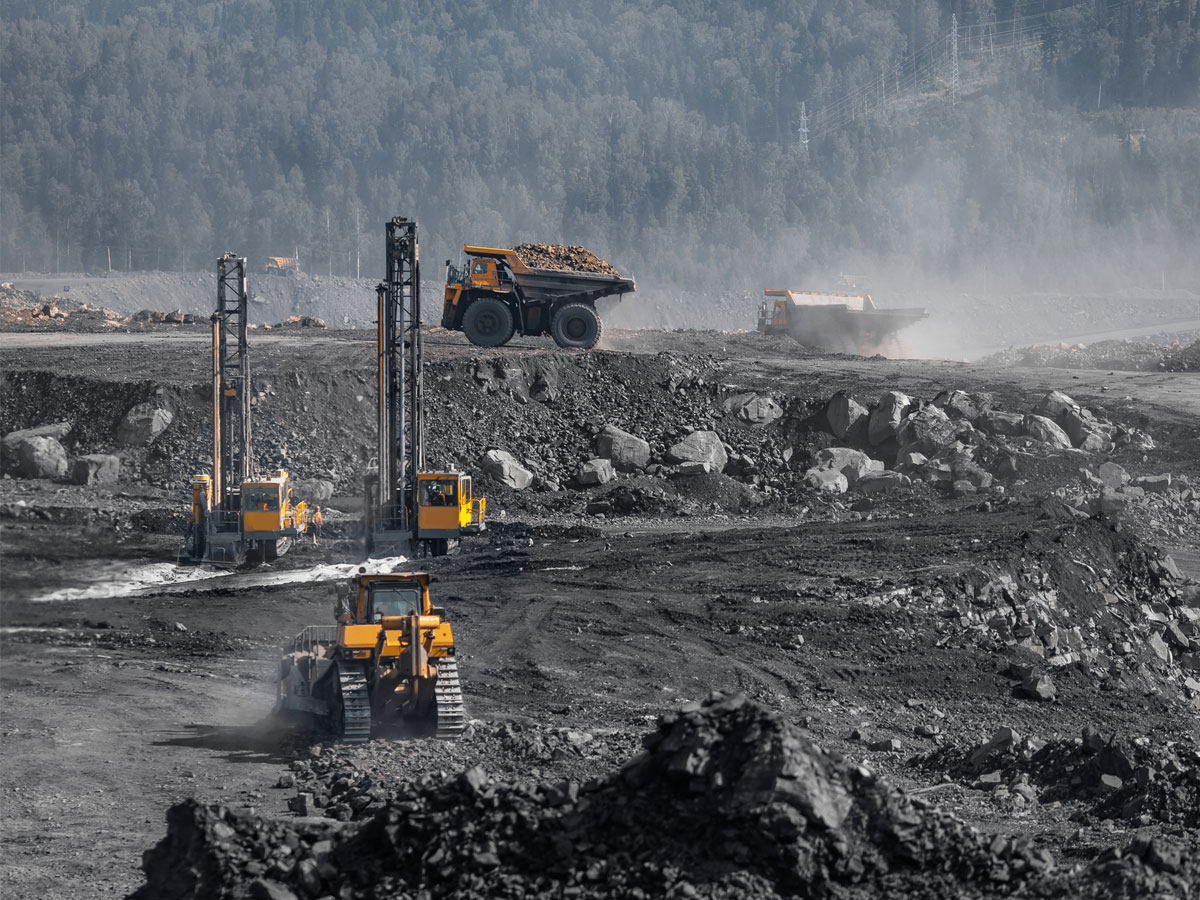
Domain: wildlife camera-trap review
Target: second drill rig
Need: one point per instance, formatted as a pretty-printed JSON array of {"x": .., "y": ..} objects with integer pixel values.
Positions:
[{"x": 409, "y": 511}]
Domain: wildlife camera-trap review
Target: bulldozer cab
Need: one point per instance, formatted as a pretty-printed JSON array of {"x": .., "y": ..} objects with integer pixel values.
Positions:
[{"x": 388, "y": 600}]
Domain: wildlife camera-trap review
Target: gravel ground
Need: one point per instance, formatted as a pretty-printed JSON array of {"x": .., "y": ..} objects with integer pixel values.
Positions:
[{"x": 869, "y": 649}]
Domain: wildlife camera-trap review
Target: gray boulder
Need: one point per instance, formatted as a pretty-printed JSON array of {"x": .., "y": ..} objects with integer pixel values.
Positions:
[
  {"x": 9, "y": 443},
  {"x": 504, "y": 467},
  {"x": 142, "y": 424},
  {"x": 96, "y": 468},
  {"x": 314, "y": 490},
  {"x": 1078, "y": 423},
  {"x": 1154, "y": 484},
  {"x": 1095, "y": 443},
  {"x": 596, "y": 471},
  {"x": 1114, "y": 476},
  {"x": 846, "y": 416},
  {"x": 910, "y": 460},
  {"x": 878, "y": 482},
  {"x": 886, "y": 417},
  {"x": 927, "y": 430},
  {"x": 854, "y": 464},
  {"x": 997, "y": 421},
  {"x": 967, "y": 470},
  {"x": 1054, "y": 405},
  {"x": 699, "y": 446},
  {"x": 959, "y": 405},
  {"x": 40, "y": 457},
  {"x": 1042, "y": 429},
  {"x": 760, "y": 411},
  {"x": 829, "y": 481},
  {"x": 628, "y": 452}
]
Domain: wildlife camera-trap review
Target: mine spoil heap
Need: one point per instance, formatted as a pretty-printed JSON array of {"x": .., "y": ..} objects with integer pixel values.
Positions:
[
  {"x": 560, "y": 256},
  {"x": 727, "y": 799}
]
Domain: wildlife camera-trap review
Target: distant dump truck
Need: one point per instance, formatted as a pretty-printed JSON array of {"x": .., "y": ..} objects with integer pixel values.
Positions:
[
  {"x": 494, "y": 294},
  {"x": 843, "y": 322},
  {"x": 281, "y": 265}
]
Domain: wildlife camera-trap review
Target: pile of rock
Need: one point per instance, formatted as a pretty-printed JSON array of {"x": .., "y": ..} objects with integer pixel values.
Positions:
[
  {"x": 947, "y": 441},
  {"x": 727, "y": 800},
  {"x": 1129, "y": 612},
  {"x": 1137, "y": 781},
  {"x": 1111, "y": 491},
  {"x": 1164, "y": 352},
  {"x": 40, "y": 452},
  {"x": 560, "y": 256},
  {"x": 299, "y": 322},
  {"x": 350, "y": 782},
  {"x": 145, "y": 317}
]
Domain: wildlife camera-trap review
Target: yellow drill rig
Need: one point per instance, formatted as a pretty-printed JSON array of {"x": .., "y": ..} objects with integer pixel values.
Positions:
[
  {"x": 389, "y": 660},
  {"x": 237, "y": 516},
  {"x": 409, "y": 510}
]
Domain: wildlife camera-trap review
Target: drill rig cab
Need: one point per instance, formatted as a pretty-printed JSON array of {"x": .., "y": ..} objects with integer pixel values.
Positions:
[
  {"x": 389, "y": 660},
  {"x": 409, "y": 511},
  {"x": 237, "y": 516}
]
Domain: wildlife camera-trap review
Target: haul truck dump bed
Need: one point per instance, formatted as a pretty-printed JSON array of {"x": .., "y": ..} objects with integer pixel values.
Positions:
[{"x": 495, "y": 294}]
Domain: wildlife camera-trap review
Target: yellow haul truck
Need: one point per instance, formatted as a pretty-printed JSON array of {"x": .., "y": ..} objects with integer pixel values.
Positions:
[
  {"x": 493, "y": 295},
  {"x": 389, "y": 660},
  {"x": 237, "y": 516}
]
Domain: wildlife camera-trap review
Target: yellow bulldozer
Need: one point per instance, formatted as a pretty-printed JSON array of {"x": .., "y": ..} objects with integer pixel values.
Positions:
[{"x": 389, "y": 661}]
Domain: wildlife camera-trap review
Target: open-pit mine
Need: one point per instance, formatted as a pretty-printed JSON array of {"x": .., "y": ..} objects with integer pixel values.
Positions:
[{"x": 732, "y": 617}]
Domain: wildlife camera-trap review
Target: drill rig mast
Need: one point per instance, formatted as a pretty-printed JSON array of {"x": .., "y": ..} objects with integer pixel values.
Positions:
[
  {"x": 399, "y": 353},
  {"x": 409, "y": 510},
  {"x": 231, "y": 383}
]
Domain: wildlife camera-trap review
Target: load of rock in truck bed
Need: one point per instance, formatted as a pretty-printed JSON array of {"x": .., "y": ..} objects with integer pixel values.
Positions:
[{"x": 561, "y": 256}]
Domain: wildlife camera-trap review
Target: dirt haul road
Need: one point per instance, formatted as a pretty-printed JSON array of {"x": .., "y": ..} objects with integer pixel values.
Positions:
[{"x": 886, "y": 625}]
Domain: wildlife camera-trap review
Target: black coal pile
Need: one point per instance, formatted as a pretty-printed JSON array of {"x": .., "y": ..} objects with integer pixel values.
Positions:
[
  {"x": 560, "y": 256},
  {"x": 354, "y": 781},
  {"x": 727, "y": 800}
]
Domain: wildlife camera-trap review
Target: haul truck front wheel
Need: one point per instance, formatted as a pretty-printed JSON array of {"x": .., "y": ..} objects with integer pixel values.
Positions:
[
  {"x": 488, "y": 322},
  {"x": 576, "y": 326}
]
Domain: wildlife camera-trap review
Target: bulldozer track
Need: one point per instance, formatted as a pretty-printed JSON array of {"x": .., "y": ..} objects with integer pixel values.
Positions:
[
  {"x": 356, "y": 704},
  {"x": 451, "y": 714}
]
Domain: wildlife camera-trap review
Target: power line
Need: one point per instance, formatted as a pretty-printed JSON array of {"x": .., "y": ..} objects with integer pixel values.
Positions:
[{"x": 938, "y": 61}]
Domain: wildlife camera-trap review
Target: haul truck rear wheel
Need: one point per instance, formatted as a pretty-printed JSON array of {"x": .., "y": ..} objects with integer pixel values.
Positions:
[
  {"x": 576, "y": 326},
  {"x": 488, "y": 322}
]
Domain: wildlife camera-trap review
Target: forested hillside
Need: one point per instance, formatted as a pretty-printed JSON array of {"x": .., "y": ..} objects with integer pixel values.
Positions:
[{"x": 664, "y": 135}]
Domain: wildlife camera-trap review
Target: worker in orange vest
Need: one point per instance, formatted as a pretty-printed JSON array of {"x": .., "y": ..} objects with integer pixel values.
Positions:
[{"x": 316, "y": 524}]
